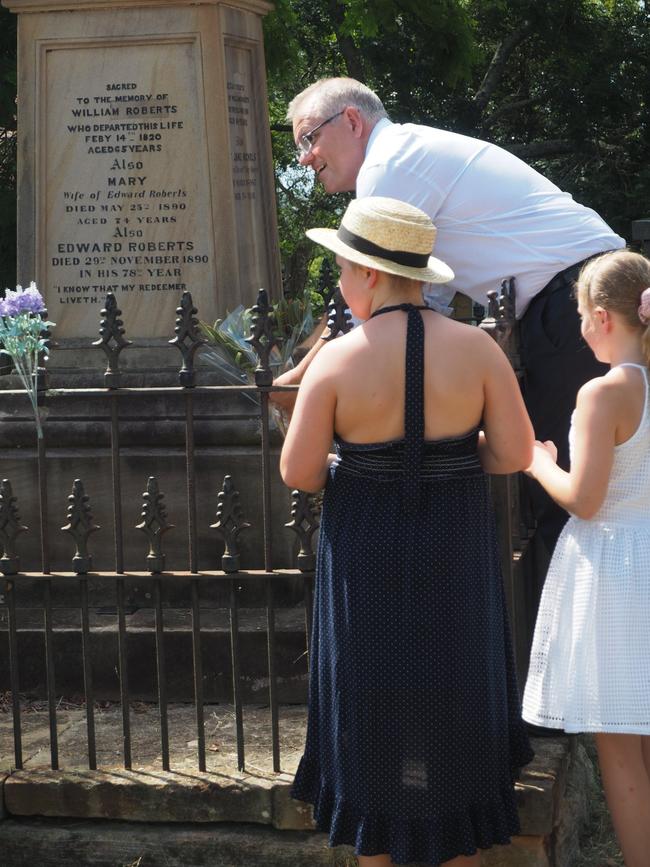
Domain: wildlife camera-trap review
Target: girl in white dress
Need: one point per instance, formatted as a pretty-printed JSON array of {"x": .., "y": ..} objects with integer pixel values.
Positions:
[{"x": 590, "y": 662}]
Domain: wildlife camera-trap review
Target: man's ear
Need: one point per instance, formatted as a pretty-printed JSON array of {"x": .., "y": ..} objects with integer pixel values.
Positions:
[{"x": 355, "y": 121}]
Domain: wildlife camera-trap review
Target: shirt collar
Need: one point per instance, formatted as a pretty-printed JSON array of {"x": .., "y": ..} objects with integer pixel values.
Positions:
[{"x": 379, "y": 126}]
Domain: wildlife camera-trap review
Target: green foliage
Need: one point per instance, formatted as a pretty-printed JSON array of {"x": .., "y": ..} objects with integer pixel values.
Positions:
[
  {"x": 568, "y": 93},
  {"x": 561, "y": 83}
]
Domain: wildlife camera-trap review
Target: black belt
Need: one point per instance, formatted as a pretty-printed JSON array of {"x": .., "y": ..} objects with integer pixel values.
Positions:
[{"x": 567, "y": 276}]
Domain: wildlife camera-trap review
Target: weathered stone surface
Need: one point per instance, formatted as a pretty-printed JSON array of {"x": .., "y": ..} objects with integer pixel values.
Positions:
[
  {"x": 35, "y": 737},
  {"x": 220, "y": 739},
  {"x": 528, "y": 851},
  {"x": 257, "y": 796},
  {"x": 139, "y": 796},
  {"x": 541, "y": 785},
  {"x": 45, "y": 843},
  {"x": 114, "y": 96},
  {"x": 290, "y": 815},
  {"x": 290, "y": 661},
  {"x": 3, "y": 811}
]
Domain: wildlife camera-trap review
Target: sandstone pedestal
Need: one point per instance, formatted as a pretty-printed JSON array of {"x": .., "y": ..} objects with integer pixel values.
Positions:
[
  {"x": 144, "y": 170},
  {"x": 225, "y": 817},
  {"x": 144, "y": 162}
]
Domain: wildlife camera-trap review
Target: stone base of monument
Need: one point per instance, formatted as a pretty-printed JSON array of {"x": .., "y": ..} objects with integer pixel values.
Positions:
[
  {"x": 225, "y": 818},
  {"x": 290, "y": 656},
  {"x": 152, "y": 437}
]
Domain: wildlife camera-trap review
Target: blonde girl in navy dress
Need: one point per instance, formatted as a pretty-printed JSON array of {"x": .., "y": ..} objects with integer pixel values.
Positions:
[
  {"x": 414, "y": 732},
  {"x": 590, "y": 662}
]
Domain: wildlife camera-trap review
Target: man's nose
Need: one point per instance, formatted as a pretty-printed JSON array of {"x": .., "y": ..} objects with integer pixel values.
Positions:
[{"x": 305, "y": 159}]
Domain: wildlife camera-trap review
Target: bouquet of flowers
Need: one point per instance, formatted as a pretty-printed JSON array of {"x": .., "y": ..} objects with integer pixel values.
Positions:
[
  {"x": 293, "y": 322},
  {"x": 21, "y": 336}
]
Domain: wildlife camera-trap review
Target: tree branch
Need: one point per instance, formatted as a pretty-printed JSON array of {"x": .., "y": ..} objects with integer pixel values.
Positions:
[
  {"x": 559, "y": 147},
  {"x": 498, "y": 64},
  {"x": 504, "y": 109},
  {"x": 349, "y": 50}
]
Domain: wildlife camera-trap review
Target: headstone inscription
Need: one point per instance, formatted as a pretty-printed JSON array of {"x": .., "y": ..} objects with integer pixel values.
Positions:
[{"x": 144, "y": 160}]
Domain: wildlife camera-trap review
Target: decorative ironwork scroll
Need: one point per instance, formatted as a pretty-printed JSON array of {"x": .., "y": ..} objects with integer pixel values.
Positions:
[
  {"x": 80, "y": 525},
  {"x": 154, "y": 524},
  {"x": 500, "y": 320},
  {"x": 304, "y": 523},
  {"x": 229, "y": 524},
  {"x": 326, "y": 285},
  {"x": 188, "y": 338},
  {"x": 338, "y": 316},
  {"x": 10, "y": 529},
  {"x": 262, "y": 338},
  {"x": 111, "y": 340}
]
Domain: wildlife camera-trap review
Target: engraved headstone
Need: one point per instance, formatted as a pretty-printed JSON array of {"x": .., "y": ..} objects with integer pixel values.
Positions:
[{"x": 145, "y": 165}]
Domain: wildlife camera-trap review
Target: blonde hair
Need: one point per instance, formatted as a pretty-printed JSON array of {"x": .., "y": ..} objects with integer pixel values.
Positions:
[
  {"x": 329, "y": 95},
  {"x": 615, "y": 281}
]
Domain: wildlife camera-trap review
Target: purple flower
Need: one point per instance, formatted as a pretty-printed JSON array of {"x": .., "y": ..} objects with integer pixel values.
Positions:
[{"x": 22, "y": 300}]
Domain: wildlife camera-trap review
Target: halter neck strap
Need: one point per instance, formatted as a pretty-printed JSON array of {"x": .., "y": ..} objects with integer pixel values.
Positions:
[
  {"x": 413, "y": 400},
  {"x": 405, "y": 308}
]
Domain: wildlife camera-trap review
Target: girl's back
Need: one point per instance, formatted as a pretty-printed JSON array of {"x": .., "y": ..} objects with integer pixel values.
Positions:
[
  {"x": 370, "y": 385},
  {"x": 628, "y": 492},
  {"x": 467, "y": 382}
]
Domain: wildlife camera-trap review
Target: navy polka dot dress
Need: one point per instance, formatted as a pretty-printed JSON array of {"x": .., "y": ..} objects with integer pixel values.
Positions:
[{"x": 414, "y": 733}]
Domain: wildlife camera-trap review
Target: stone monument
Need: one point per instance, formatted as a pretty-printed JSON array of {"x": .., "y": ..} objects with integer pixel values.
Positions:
[
  {"x": 144, "y": 170},
  {"x": 144, "y": 164}
]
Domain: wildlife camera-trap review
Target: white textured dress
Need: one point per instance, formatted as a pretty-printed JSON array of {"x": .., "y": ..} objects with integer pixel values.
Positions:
[{"x": 590, "y": 661}]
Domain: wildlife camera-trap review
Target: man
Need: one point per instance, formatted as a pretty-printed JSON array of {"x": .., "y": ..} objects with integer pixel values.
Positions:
[{"x": 496, "y": 218}]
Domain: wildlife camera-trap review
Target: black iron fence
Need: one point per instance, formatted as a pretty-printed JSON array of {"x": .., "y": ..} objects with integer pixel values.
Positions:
[{"x": 193, "y": 587}]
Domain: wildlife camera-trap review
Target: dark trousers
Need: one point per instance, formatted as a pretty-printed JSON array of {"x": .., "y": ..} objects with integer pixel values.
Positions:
[{"x": 556, "y": 362}]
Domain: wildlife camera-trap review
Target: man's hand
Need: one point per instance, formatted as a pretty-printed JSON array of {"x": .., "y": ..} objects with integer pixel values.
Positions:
[{"x": 287, "y": 399}]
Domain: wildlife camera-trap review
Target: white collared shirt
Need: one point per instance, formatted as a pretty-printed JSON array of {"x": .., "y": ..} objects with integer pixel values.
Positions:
[{"x": 496, "y": 216}]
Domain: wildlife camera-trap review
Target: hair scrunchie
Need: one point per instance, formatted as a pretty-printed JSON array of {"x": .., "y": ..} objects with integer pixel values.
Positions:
[{"x": 644, "y": 307}]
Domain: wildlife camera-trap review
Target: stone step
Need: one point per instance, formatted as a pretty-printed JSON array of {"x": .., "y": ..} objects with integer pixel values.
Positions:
[
  {"x": 257, "y": 795},
  {"x": 224, "y": 816},
  {"x": 50, "y": 843},
  {"x": 290, "y": 655}
]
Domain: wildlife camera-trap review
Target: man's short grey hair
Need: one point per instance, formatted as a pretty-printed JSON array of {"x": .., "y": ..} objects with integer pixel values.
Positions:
[{"x": 329, "y": 95}]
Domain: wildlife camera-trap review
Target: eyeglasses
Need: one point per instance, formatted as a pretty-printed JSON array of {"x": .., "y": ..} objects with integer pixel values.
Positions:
[{"x": 306, "y": 140}]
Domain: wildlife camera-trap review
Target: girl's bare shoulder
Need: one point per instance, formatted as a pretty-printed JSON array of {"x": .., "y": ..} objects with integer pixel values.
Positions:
[
  {"x": 620, "y": 381},
  {"x": 469, "y": 339},
  {"x": 461, "y": 330},
  {"x": 609, "y": 394},
  {"x": 337, "y": 352}
]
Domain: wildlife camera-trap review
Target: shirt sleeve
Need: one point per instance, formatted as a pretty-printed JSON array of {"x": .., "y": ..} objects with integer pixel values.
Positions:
[{"x": 398, "y": 182}]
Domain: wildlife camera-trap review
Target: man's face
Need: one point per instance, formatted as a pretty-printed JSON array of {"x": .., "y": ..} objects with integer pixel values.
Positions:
[{"x": 337, "y": 148}]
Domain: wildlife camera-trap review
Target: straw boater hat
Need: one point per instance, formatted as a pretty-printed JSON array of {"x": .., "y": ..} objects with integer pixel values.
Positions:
[{"x": 388, "y": 235}]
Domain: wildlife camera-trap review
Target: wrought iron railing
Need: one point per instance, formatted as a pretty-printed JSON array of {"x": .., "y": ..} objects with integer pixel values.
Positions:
[
  {"x": 84, "y": 588},
  {"x": 155, "y": 587}
]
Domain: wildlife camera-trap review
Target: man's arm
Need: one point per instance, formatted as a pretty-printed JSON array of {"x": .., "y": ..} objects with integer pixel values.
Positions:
[{"x": 287, "y": 399}]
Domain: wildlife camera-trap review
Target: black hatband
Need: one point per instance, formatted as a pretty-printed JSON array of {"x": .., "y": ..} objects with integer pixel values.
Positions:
[{"x": 399, "y": 257}]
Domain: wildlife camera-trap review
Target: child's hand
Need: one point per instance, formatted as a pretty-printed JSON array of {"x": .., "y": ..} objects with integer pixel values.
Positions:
[{"x": 542, "y": 452}]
